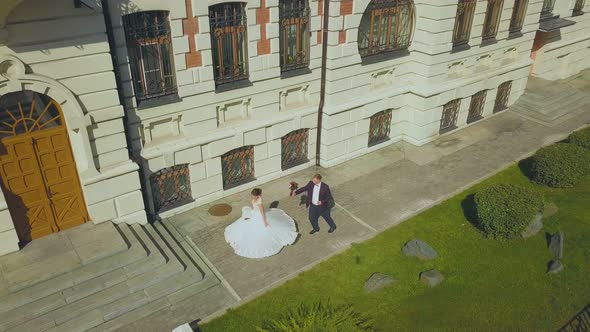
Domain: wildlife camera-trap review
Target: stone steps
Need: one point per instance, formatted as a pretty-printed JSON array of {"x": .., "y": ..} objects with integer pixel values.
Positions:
[{"x": 105, "y": 297}]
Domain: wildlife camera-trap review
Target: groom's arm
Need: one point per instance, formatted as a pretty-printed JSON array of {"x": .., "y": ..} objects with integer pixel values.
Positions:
[{"x": 302, "y": 189}]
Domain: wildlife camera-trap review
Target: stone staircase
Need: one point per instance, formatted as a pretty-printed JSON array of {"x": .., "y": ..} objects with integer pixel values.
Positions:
[{"x": 156, "y": 269}]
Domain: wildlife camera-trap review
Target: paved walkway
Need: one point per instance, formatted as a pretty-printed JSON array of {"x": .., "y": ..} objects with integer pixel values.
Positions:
[{"x": 379, "y": 190}]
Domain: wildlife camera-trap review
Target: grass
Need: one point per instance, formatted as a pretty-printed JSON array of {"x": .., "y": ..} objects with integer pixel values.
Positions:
[{"x": 489, "y": 285}]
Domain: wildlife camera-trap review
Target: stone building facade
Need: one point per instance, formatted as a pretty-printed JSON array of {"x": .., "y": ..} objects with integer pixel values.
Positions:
[{"x": 212, "y": 97}]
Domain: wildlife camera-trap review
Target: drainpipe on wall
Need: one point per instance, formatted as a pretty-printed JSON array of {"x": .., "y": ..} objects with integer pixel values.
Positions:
[
  {"x": 113, "y": 50},
  {"x": 325, "y": 23}
]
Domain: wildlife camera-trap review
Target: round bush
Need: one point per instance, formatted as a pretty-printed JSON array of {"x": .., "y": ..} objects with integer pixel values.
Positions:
[
  {"x": 319, "y": 317},
  {"x": 580, "y": 138},
  {"x": 504, "y": 211},
  {"x": 560, "y": 165}
]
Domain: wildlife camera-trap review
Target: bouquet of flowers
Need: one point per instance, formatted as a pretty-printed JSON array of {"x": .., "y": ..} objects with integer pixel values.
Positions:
[{"x": 293, "y": 186}]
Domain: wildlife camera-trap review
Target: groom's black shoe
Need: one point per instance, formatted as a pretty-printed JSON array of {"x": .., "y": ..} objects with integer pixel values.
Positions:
[
  {"x": 313, "y": 231},
  {"x": 332, "y": 229}
]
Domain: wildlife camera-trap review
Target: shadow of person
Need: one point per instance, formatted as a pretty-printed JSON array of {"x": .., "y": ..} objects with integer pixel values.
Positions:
[
  {"x": 303, "y": 200},
  {"x": 274, "y": 205},
  {"x": 469, "y": 209}
]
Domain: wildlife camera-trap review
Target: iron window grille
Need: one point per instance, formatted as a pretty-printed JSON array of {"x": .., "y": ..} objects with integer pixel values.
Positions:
[
  {"x": 502, "y": 97},
  {"x": 463, "y": 22},
  {"x": 237, "y": 167},
  {"x": 518, "y": 15},
  {"x": 492, "y": 19},
  {"x": 149, "y": 45},
  {"x": 294, "y": 148},
  {"x": 171, "y": 187},
  {"x": 380, "y": 127},
  {"x": 547, "y": 9},
  {"x": 386, "y": 26},
  {"x": 229, "y": 42},
  {"x": 579, "y": 7},
  {"x": 450, "y": 115},
  {"x": 294, "y": 37},
  {"x": 476, "y": 106}
]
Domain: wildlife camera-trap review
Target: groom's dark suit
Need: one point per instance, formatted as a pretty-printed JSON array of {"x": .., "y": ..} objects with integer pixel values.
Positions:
[{"x": 316, "y": 211}]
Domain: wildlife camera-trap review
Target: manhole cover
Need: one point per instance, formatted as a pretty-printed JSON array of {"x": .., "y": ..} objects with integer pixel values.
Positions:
[{"x": 220, "y": 210}]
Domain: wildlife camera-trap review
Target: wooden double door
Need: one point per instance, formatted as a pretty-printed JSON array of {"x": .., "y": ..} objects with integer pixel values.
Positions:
[{"x": 37, "y": 167}]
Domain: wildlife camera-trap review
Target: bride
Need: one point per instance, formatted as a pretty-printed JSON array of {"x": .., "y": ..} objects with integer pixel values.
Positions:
[{"x": 259, "y": 234}]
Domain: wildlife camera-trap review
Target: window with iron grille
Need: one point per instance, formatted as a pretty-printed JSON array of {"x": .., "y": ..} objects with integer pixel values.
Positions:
[
  {"x": 149, "y": 45},
  {"x": 171, "y": 187},
  {"x": 380, "y": 127},
  {"x": 476, "y": 106},
  {"x": 229, "y": 42},
  {"x": 237, "y": 167},
  {"x": 386, "y": 26},
  {"x": 450, "y": 114},
  {"x": 518, "y": 15},
  {"x": 294, "y": 148},
  {"x": 502, "y": 96},
  {"x": 579, "y": 7},
  {"x": 463, "y": 22},
  {"x": 294, "y": 37},
  {"x": 492, "y": 19},
  {"x": 547, "y": 9}
]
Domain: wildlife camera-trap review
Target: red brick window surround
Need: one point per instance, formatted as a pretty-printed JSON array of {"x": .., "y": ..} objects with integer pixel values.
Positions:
[
  {"x": 190, "y": 27},
  {"x": 263, "y": 18}
]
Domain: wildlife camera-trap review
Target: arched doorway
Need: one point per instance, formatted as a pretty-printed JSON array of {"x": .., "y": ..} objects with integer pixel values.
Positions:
[{"x": 38, "y": 172}]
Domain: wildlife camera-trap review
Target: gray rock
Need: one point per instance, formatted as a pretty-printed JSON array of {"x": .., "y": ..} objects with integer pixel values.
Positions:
[
  {"x": 534, "y": 227},
  {"x": 419, "y": 249},
  {"x": 431, "y": 277},
  {"x": 377, "y": 281},
  {"x": 555, "y": 266},
  {"x": 556, "y": 245}
]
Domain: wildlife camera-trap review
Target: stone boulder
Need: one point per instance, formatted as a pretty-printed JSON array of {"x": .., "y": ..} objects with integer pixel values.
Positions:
[
  {"x": 378, "y": 281},
  {"x": 419, "y": 249},
  {"x": 556, "y": 245},
  {"x": 534, "y": 227},
  {"x": 555, "y": 266},
  {"x": 431, "y": 277}
]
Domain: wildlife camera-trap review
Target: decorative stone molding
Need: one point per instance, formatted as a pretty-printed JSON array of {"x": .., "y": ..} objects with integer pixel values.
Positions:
[
  {"x": 236, "y": 110},
  {"x": 294, "y": 98},
  {"x": 382, "y": 79},
  {"x": 161, "y": 128}
]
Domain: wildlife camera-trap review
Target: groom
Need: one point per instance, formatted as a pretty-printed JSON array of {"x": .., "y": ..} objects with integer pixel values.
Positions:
[{"x": 319, "y": 201}]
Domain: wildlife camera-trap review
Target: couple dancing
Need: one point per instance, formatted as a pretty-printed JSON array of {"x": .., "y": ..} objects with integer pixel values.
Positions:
[{"x": 259, "y": 233}]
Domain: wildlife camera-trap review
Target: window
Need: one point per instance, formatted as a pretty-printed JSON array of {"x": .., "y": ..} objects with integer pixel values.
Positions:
[
  {"x": 386, "y": 26},
  {"x": 492, "y": 19},
  {"x": 518, "y": 15},
  {"x": 476, "y": 106},
  {"x": 450, "y": 114},
  {"x": 171, "y": 187},
  {"x": 149, "y": 45},
  {"x": 547, "y": 9},
  {"x": 579, "y": 7},
  {"x": 294, "y": 148},
  {"x": 229, "y": 42},
  {"x": 463, "y": 21},
  {"x": 294, "y": 18},
  {"x": 380, "y": 127},
  {"x": 237, "y": 167},
  {"x": 502, "y": 96}
]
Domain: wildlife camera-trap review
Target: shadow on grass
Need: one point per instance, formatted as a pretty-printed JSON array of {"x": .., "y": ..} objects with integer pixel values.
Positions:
[
  {"x": 526, "y": 167},
  {"x": 469, "y": 210}
]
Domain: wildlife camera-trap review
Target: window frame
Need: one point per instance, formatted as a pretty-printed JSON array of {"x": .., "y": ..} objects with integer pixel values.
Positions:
[
  {"x": 137, "y": 37},
  {"x": 157, "y": 183},
  {"x": 236, "y": 26},
  {"x": 298, "y": 16},
  {"x": 519, "y": 12},
  {"x": 476, "y": 106},
  {"x": 502, "y": 97},
  {"x": 463, "y": 26},
  {"x": 392, "y": 10},
  {"x": 450, "y": 113},
  {"x": 492, "y": 18},
  {"x": 226, "y": 164},
  {"x": 382, "y": 119},
  {"x": 299, "y": 136}
]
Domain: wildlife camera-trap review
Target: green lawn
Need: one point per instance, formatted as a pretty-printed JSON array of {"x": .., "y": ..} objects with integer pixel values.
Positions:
[{"x": 489, "y": 285}]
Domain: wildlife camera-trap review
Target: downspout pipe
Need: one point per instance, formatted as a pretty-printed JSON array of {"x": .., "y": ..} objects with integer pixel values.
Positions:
[
  {"x": 325, "y": 23},
  {"x": 113, "y": 50}
]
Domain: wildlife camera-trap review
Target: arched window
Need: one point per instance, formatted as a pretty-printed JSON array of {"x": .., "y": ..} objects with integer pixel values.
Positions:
[
  {"x": 386, "y": 25},
  {"x": 171, "y": 187},
  {"x": 237, "y": 167},
  {"x": 294, "y": 148}
]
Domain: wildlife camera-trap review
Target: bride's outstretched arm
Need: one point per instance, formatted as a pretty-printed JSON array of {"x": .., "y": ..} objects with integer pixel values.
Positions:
[{"x": 263, "y": 214}]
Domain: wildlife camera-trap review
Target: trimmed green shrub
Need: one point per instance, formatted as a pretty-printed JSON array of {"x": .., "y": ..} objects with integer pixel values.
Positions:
[
  {"x": 560, "y": 165},
  {"x": 319, "y": 317},
  {"x": 580, "y": 138},
  {"x": 504, "y": 211}
]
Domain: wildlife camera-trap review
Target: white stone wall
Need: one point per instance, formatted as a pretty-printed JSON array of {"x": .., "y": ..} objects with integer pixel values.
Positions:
[
  {"x": 417, "y": 85},
  {"x": 565, "y": 51},
  {"x": 53, "y": 48},
  {"x": 8, "y": 237}
]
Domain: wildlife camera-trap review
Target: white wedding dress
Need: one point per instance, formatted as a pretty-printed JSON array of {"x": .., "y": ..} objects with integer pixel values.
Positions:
[{"x": 250, "y": 238}]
